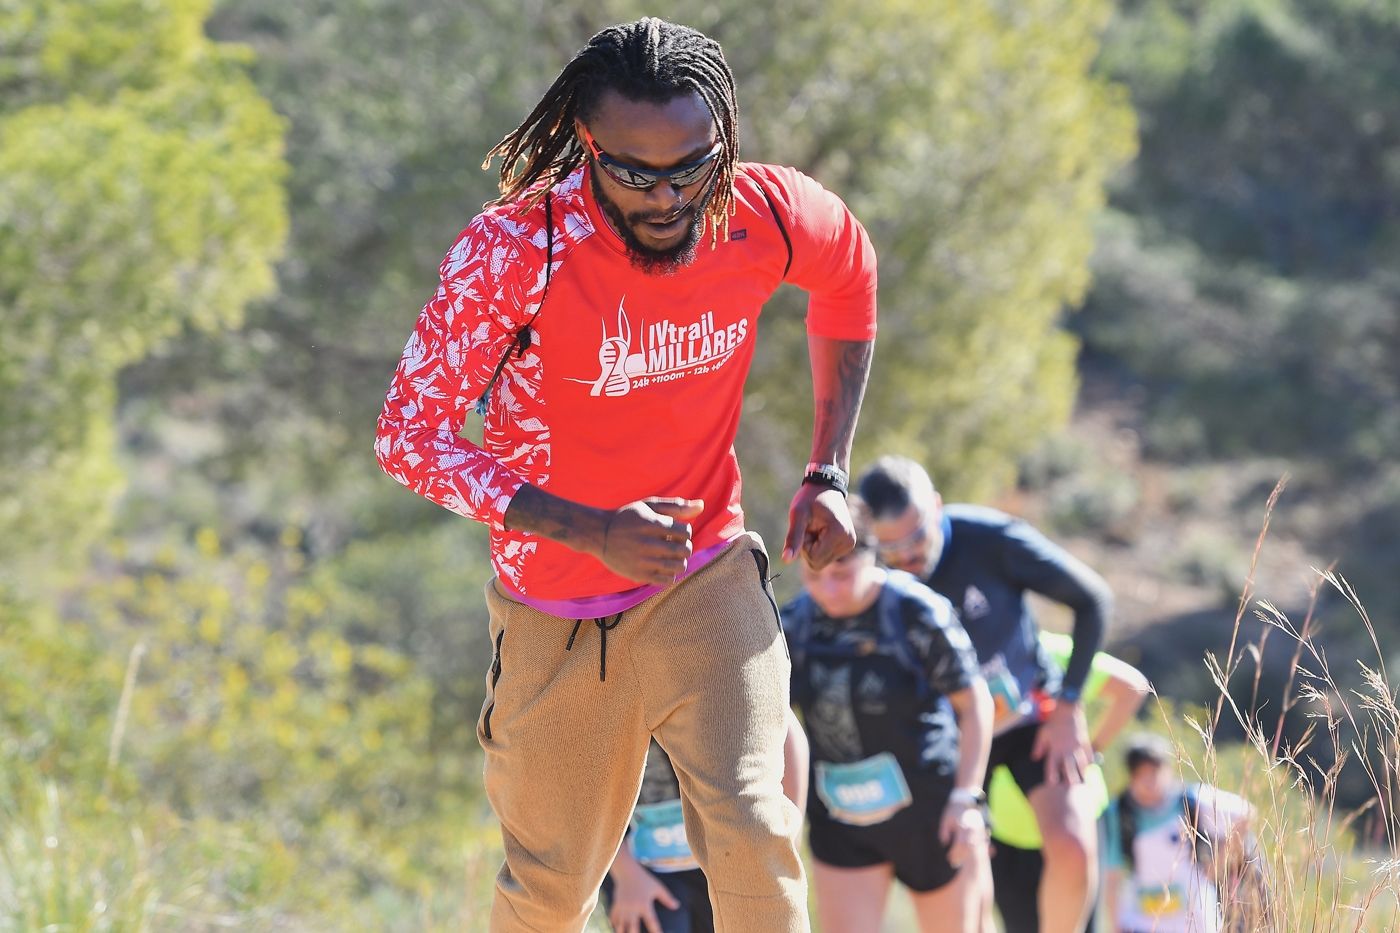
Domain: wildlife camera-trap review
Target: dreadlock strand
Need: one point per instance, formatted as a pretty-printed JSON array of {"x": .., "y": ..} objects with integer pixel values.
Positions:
[
  {"x": 537, "y": 139},
  {"x": 651, "y": 46},
  {"x": 648, "y": 60},
  {"x": 718, "y": 210},
  {"x": 711, "y": 80}
]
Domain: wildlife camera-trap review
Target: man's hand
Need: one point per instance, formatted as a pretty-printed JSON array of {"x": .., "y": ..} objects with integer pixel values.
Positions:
[
  {"x": 1063, "y": 742},
  {"x": 649, "y": 540},
  {"x": 961, "y": 830},
  {"x": 635, "y": 893},
  {"x": 819, "y": 526}
]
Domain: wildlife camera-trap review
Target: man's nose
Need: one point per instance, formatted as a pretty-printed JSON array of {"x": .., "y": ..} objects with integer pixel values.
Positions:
[{"x": 663, "y": 195}]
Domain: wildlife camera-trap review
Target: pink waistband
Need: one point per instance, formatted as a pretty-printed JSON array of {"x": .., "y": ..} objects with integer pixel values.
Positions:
[{"x": 596, "y": 607}]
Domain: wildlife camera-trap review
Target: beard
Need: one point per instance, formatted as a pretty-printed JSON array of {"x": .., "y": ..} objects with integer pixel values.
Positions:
[{"x": 667, "y": 261}]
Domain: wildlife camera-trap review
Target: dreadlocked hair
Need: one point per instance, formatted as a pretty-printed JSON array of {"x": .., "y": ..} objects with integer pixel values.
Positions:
[{"x": 647, "y": 60}]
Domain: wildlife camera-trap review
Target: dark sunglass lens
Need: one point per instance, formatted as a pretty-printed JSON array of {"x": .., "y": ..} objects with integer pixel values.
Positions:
[
  {"x": 630, "y": 178},
  {"x": 690, "y": 176},
  {"x": 640, "y": 180}
]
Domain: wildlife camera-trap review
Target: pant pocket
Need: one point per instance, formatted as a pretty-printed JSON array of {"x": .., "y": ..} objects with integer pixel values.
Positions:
[
  {"x": 765, "y": 582},
  {"x": 495, "y": 677}
]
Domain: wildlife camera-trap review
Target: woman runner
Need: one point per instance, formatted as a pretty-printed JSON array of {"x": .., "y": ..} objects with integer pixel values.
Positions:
[{"x": 899, "y": 722}]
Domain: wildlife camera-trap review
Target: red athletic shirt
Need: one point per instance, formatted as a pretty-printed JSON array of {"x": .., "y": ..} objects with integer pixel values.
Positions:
[{"x": 633, "y": 383}]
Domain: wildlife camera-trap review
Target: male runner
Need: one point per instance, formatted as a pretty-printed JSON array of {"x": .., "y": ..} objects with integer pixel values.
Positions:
[
  {"x": 602, "y": 314},
  {"x": 1113, "y": 693},
  {"x": 985, "y": 562},
  {"x": 1169, "y": 842}
]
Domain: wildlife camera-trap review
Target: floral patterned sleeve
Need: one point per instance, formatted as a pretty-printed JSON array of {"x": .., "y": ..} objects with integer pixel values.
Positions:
[{"x": 491, "y": 284}]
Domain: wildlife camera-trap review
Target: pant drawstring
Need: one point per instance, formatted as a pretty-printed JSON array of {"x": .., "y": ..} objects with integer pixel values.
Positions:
[
  {"x": 603, "y": 629},
  {"x": 604, "y": 626}
]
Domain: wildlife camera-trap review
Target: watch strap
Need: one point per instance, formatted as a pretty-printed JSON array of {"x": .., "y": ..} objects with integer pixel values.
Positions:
[
  {"x": 829, "y": 475},
  {"x": 972, "y": 796}
]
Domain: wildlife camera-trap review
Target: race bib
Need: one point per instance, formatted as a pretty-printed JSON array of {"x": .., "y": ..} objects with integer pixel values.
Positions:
[
  {"x": 1161, "y": 901},
  {"x": 1005, "y": 691},
  {"x": 863, "y": 793},
  {"x": 658, "y": 837}
]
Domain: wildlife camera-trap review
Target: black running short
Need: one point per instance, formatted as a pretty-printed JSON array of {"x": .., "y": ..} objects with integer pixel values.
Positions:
[
  {"x": 908, "y": 840},
  {"x": 1016, "y": 886},
  {"x": 1013, "y": 749}
]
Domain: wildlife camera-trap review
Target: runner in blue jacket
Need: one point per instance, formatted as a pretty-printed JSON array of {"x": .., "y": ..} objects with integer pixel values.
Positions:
[{"x": 986, "y": 562}]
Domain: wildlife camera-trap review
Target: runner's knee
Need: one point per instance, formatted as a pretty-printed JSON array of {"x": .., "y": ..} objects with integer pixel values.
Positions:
[{"x": 1068, "y": 849}]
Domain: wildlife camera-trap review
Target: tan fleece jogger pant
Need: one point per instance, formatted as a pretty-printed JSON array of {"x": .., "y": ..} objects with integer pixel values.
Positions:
[{"x": 569, "y": 710}]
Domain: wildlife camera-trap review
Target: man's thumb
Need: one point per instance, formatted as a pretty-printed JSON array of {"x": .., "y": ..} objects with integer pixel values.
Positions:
[{"x": 678, "y": 508}]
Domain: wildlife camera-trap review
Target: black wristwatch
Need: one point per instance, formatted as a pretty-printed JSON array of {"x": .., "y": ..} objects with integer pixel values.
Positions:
[{"x": 829, "y": 475}]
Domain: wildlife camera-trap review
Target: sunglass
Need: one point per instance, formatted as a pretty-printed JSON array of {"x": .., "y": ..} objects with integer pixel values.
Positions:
[
  {"x": 644, "y": 179},
  {"x": 906, "y": 545}
]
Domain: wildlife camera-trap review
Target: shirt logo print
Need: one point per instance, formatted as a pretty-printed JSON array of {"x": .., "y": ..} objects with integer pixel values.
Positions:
[
  {"x": 975, "y": 604},
  {"x": 669, "y": 351},
  {"x": 617, "y": 361}
]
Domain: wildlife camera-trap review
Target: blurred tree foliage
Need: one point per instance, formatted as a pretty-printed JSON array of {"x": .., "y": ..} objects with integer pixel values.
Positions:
[
  {"x": 974, "y": 143},
  {"x": 1248, "y": 274},
  {"x": 1254, "y": 277},
  {"x": 304, "y": 638},
  {"x": 972, "y": 139},
  {"x": 224, "y": 712},
  {"x": 140, "y": 194}
]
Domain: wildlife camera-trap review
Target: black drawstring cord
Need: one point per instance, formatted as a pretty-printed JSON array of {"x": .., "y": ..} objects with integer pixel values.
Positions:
[{"x": 604, "y": 627}]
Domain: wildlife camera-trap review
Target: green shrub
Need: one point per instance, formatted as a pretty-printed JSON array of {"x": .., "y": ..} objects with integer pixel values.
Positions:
[{"x": 214, "y": 742}]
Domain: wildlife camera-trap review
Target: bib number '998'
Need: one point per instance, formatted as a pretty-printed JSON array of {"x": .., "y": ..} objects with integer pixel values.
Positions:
[
  {"x": 658, "y": 837},
  {"x": 863, "y": 793}
]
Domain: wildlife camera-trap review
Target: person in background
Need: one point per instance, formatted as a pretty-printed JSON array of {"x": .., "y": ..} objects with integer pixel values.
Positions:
[
  {"x": 1166, "y": 843},
  {"x": 655, "y": 884},
  {"x": 985, "y": 563},
  {"x": 1113, "y": 693},
  {"x": 899, "y": 722}
]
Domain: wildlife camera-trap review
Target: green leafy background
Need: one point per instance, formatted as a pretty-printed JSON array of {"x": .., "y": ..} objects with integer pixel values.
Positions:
[{"x": 1137, "y": 260}]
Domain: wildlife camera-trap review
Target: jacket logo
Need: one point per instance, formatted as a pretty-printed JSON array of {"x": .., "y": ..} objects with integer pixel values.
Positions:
[
  {"x": 975, "y": 604},
  {"x": 669, "y": 352}
]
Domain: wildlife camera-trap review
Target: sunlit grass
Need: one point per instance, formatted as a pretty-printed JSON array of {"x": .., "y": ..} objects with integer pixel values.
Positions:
[
  {"x": 1319, "y": 875},
  {"x": 144, "y": 786}
]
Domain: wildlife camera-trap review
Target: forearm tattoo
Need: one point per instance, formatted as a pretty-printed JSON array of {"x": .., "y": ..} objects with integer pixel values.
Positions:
[
  {"x": 537, "y": 512},
  {"x": 837, "y": 412}
]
